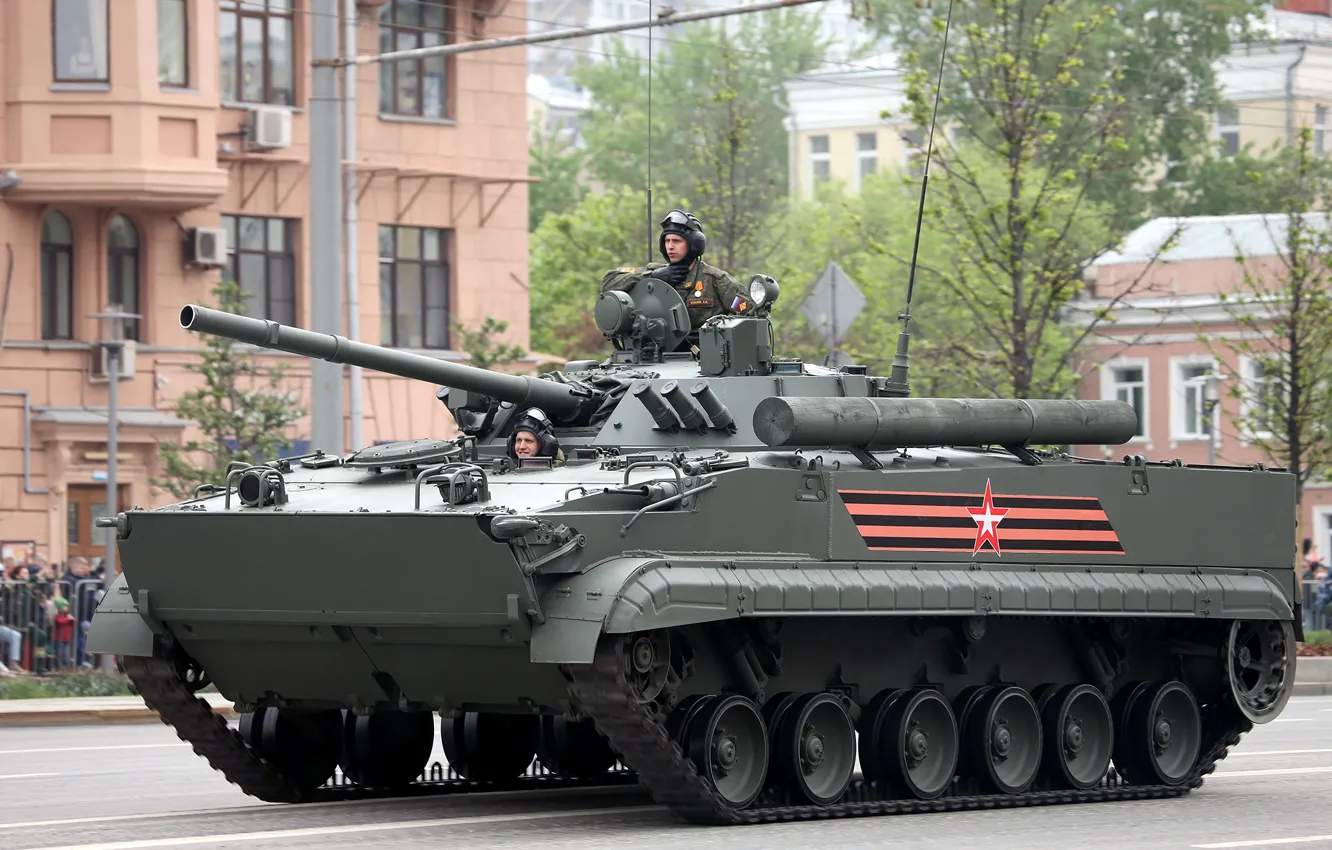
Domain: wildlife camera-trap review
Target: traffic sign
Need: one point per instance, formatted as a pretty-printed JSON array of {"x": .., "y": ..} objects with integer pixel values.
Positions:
[{"x": 833, "y": 304}]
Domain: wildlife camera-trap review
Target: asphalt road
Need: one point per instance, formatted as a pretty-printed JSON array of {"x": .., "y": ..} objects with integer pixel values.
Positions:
[{"x": 137, "y": 786}]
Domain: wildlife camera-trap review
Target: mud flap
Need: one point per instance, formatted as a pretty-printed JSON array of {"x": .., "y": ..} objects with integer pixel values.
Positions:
[{"x": 117, "y": 628}]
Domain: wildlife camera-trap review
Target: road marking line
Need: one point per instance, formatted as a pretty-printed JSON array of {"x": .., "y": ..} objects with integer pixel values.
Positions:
[
  {"x": 86, "y": 749},
  {"x": 1265, "y": 842},
  {"x": 1276, "y": 771},
  {"x": 228, "y": 838},
  {"x": 1277, "y": 753},
  {"x": 1293, "y": 720},
  {"x": 521, "y": 794},
  {"x": 26, "y": 775}
]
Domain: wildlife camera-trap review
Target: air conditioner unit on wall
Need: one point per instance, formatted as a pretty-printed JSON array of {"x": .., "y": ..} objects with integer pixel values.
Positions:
[
  {"x": 206, "y": 247},
  {"x": 269, "y": 128},
  {"x": 100, "y": 361}
]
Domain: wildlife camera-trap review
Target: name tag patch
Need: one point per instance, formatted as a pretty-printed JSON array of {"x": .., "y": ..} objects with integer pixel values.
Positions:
[{"x": 699, "y": 302}]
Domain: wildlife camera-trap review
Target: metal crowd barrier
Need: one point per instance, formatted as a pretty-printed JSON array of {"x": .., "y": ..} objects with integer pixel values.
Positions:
[
  {"x": 1317, "y": 604},
  {"x": 34, "y": 633}
]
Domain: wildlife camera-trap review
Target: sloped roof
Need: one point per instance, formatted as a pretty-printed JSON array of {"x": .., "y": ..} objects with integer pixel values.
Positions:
[{"x": 1213, "y": 237}]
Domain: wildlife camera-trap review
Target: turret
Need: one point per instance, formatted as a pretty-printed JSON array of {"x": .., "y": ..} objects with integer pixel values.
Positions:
[{"x": 648, "y": 326}]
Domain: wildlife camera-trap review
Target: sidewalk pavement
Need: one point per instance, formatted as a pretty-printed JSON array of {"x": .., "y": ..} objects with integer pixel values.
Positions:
[
  {"x": 81, "y": 710},
  {"x": 1313, "y": 676}
]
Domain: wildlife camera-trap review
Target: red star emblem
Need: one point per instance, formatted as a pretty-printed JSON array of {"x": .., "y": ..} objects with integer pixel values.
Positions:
[{"x": 987, "y": 518}]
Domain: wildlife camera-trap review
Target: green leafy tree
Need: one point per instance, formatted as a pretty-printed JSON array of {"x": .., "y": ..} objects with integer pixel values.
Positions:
[
  {"x": 1155, "y": 58},
  {"x": 717, "y": 133},
  {"x": 1287, "y": 412},
  {"x": 240, "y": 409},
  {"x": 558, "y": 169},
  {"x": 482, "y": 348},
  {"x": 1248, "y": 182},
  {"x": 569, "y": 254},
  {"x": 1015, "y": 204},
  {"x": 869, "y": 234}
]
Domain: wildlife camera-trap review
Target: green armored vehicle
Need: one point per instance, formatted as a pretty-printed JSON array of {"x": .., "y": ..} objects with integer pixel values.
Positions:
[{"x": 760, "y": 588}]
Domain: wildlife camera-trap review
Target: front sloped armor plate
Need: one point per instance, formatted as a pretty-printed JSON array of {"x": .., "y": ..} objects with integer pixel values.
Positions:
[{"x": 309, "y": 606}]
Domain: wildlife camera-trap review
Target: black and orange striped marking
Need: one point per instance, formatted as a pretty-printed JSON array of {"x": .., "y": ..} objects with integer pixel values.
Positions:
[{"x": 904, "y": 521}]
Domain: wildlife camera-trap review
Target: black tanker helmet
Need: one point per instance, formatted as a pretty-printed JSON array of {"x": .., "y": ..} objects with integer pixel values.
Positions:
[
  {"x": 535, "y": 421},
  {"x": 683, "y": 224}
]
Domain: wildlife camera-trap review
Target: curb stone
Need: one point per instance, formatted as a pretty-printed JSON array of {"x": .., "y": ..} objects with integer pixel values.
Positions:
[{"x": 91, "y": 710}]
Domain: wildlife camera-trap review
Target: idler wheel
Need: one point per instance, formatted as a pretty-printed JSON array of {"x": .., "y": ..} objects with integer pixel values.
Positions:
[
  {"x": 1003, "y": 740},
  {"x": 728, "y": 744},
  {"x": 387, "y": 749},
  {"x": 1163, "y": 729},
  {"x": 490, "y": 747},
  {"x": 875, "y": 737},
  {"x": 918, "y": 743},
  {"x": 573, "y": 748},
  {"x": 1260, "y": 666},
  {"x": 303, "y": 745},
  {"x": 649, "y": 657},
  {"x": 1079, "y": 735},
  {"x": 815, "y": 747}
]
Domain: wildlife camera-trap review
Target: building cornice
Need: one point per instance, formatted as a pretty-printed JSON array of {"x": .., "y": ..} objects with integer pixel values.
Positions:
[{"x": 1167, "y": 312}]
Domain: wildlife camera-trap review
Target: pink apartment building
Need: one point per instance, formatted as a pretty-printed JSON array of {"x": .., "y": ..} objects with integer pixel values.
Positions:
[
  {"x": 1150, "y": 355},
  {"x": 133, "y": 133}
]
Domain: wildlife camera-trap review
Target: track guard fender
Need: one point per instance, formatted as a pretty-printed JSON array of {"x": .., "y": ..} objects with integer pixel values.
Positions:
[
  {"x": 576, "y": 608},
  {"x": 117, "y": 627}
]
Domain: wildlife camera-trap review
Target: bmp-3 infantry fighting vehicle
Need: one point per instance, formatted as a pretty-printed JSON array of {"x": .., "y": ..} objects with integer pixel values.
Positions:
[{"x": 749, "y": 575}]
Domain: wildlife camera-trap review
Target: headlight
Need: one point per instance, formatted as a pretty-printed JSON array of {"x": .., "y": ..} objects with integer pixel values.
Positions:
[
  {"x": 758, "y": 293},
  {"x": 763, "y": 290}
]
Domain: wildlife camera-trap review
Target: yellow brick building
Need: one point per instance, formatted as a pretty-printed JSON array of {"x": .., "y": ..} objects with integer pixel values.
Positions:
[{"x": 838, "y": 129}]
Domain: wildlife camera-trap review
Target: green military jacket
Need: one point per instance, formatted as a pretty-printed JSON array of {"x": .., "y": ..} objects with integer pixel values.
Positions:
[{"x": 708, "y": 291}]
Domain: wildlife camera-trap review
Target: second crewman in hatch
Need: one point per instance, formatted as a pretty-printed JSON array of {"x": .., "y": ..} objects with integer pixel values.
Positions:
[
  {"x": 533, "y": 437},
  {"x": 707, "y": 290}
]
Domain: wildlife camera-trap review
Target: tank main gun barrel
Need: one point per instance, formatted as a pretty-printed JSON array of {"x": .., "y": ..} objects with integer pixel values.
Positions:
[
  {"x": 922, "y": 422},
  {"x": 557, "y": 399}
]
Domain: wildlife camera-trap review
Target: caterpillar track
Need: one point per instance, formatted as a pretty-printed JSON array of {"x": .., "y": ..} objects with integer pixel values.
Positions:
[
  {"x": 603, "y": 689},
  {"x": 157, "y": 681}
]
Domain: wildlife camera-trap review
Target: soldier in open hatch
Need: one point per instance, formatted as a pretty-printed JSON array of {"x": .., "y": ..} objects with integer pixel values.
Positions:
[
  {"x": 532, "y": 437},
  {"x": 707, "y": 290}
]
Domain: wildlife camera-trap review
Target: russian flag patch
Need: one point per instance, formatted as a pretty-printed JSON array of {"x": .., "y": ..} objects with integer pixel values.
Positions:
[{"x": 739, "y": 303}]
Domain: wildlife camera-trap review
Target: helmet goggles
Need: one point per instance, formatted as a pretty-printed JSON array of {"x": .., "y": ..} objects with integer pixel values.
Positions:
[{"x": 681, "y": 219}]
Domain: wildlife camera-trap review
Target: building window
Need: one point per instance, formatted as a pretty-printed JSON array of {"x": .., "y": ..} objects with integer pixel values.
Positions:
[
  {"x": 172, "y": 43},
  {"x": 867, "y": 155},
  {"x": 122, "y": 270},
  {"x": 81, "y": 34},
  {"x": 414, "y": 87},
  {"x": 820, "y": 160},
  {"x": 1129, "y": 385},
  {"x": 257, "y": 52},
  {"x": 1191, "y": 394},
  {"x": 1320, "y": 129},
  {"x": 57, "y": 277},
  {"x": 413, "y": 287},
  {"x": 1260, "y": 409},
  {"x": 1227, "y": 130},
  {"x": 261, "y": 257}
]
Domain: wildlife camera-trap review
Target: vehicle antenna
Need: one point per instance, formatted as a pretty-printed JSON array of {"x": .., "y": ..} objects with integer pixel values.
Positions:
[
  {"x": 649, "y": 137},
  {"x": 898, "y": 385}
]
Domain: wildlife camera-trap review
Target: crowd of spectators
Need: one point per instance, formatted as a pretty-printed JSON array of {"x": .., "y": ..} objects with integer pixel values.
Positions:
[{"x": 45, "y": 610}]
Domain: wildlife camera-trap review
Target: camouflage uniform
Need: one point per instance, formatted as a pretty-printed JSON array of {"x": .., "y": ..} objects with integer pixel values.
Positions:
[{"x": 707, "y": 292}]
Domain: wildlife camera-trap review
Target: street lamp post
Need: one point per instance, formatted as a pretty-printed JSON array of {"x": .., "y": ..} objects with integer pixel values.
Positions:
[
  {"x": 114, "y": 342},
  {"x": 1212, "y": 400}
]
